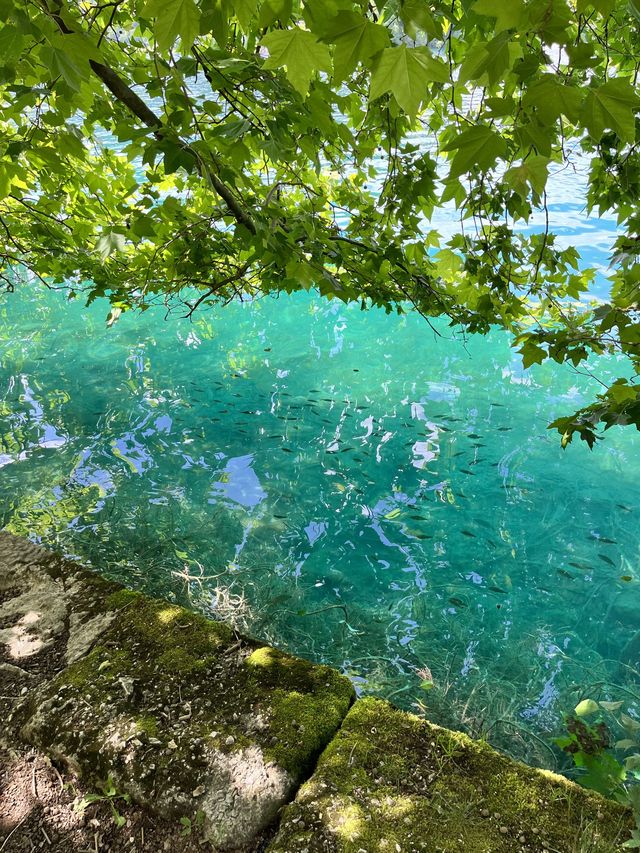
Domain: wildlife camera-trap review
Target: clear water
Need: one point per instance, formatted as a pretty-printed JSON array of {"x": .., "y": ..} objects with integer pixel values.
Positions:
[{"x": 344, "y": 484}]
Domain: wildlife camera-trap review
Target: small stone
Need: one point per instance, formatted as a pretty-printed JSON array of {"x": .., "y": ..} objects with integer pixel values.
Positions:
[
  {"x": 198, "y": 792},
  {"x": 522, "y": 839},
  {"x": 504, "y": 830},
  {"x": 600, "y": 815},
  {"x": 230, "y": 741},
  {"x": 172, "y": 744},
  {"x": 485, "y": 812}
]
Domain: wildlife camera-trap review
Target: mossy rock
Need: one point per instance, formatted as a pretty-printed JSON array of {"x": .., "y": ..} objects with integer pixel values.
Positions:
[
  {"x": 391, "y": 782},
  {"x": 188, "y": 717}
]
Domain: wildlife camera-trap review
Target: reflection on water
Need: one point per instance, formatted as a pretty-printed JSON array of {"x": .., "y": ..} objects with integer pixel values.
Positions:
[{"x": 347, "y": 485}]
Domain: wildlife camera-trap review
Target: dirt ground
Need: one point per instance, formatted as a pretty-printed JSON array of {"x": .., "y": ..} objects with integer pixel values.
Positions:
[{"x": 39, "y": 811}]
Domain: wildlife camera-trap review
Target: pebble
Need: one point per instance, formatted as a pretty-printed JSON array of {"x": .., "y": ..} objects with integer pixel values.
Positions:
[
  {"x": 485, "y": 812},
  {"x": 230, "y": 741},
  {"x": 522, "y": 839},
  {"x": 198, "y": 792},
  {"x": 504, "y": 830}
]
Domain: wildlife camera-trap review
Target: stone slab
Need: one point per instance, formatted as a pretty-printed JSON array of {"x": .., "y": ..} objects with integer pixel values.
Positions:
[
  {"x": 52, "y": 611},
  {"x": 391, "y": 782},
  {"x": 181, "y": 713},
  {"x": 189, "y": 718}
]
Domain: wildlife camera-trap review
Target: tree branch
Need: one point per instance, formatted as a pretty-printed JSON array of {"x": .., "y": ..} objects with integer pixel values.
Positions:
[{"x": 134, "y": 103}]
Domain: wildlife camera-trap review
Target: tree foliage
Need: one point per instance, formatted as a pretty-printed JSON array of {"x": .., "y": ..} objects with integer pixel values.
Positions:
[{"x": 188, "y": 151}]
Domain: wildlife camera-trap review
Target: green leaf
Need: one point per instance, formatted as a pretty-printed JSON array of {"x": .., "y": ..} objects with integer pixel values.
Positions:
[
  {"x": 110, "y": 242},
  {"x": 11, "y": 42},
  {"x": 406, "y": 72},
  {"x": 550, "y": 98},
  {"x": 415, "y": 16},
  {"x": 532, "y": 354},
  {"x": 509, "y": 14},
  {"x": 612, "y": 106},
  {"x": 492, "y": 59},
  {"x": 533, "y": 173},
  {"x": 174, "y": 18},
  {"x": 478, "y": 146},
  {"x": 300, "y": 52},
  {"x": 586, "y": 707},
  {"x": 274, "y": 10},
  {"x": 356, "y": 40},
  {"x": 245, "y": 11}
]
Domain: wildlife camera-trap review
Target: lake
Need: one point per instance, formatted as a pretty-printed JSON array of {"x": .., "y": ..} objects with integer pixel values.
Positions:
[{"x": 348, "y": 485}]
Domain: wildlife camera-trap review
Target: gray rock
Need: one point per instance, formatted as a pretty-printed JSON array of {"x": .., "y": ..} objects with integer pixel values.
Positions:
[{"x": 167, "y": 702}]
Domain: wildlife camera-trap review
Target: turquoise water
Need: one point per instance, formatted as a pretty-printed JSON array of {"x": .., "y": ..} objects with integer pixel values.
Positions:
[{"x": 346, "y": 485}]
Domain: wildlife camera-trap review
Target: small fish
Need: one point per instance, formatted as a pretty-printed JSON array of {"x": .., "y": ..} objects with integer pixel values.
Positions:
[
  {"x": 279, "y": 516},
  {"x": 286, "y": 450},
  {"x": 459, "y": 453},
  {"x": 267, "y": 349},
  {"x": 421, "y": 535},
  {"x": 626, "y": 578},
  {"x": 606, "y": 559},
  {"x": 498, "y": 589},
  {"x": 473, "y": 435},
  {"x": 478, "y": 444},
  {"x": 468, "y": 533},
  {"x": 584, "y": 566},
  {"x": 565, "y": 574},
  {"x": 602, "y": 539},
  {"x": 467, "y": 471},
  {"x": 418, "y": 517},
  {"x": 458, "y": 602},
  {"x": 625, "y": 508},
  {"x": 504, "y": 429}
]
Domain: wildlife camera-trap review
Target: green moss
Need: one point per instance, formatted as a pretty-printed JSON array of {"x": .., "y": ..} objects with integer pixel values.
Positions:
[
  {"x": 307, "y": 703},
  {"x": 390, "y": 781},
  {"x": 205, "y": 678},
  {"x": 121, "y": 598},
  {"x": 148, "y": 725}
]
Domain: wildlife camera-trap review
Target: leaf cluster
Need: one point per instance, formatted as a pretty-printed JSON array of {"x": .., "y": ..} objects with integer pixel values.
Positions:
[{"x": 184, "y": 151}]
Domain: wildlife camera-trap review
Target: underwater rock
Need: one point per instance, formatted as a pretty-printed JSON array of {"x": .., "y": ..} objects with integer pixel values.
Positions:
[{"x": 390, "y": 781}]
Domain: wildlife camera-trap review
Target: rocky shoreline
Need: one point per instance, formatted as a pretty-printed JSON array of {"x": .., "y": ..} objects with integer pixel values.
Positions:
[{"x": 212, "y": 740}]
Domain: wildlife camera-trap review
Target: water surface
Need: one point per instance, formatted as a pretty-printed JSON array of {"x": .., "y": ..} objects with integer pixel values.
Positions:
[{"x": 347, "y": 485}]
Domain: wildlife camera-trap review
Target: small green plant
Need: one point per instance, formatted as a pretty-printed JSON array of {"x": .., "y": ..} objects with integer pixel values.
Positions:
[
  {"x": 588, "y": 743},
  {"x": 189, "y": 825},
  {"x": 107, "y": 794}
]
